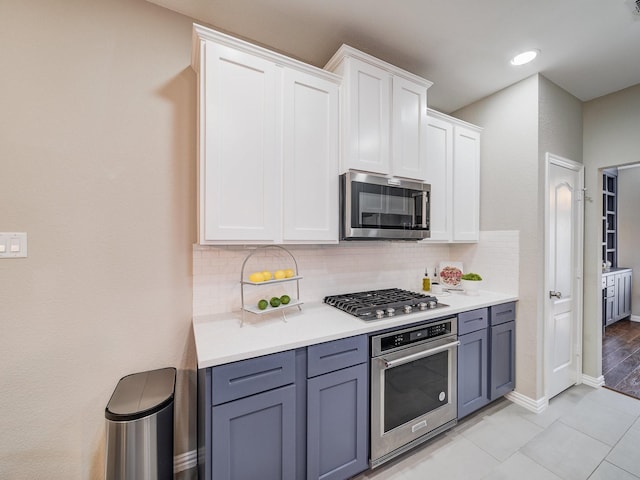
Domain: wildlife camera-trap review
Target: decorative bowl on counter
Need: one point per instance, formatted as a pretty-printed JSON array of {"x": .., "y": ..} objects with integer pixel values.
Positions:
[{"x": 471, "y": 283}]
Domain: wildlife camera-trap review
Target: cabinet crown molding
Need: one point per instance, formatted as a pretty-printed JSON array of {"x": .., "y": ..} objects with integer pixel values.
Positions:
[
  {"x": 345, "y": 51},
  {"x": 201, "y": 34},
  {"x": 448, "y": 118}
]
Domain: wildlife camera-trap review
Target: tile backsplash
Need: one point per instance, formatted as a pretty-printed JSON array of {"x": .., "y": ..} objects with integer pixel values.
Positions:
[{"x": 346, "y": 267}]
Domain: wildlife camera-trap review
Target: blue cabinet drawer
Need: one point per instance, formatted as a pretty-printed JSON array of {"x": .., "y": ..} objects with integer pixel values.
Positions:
[
  {"x": 473, "y": 320},
  {"x": 331, "y": 356},
  {"x": 505, "y": 312},
  {"x": 255, "y": 375}
]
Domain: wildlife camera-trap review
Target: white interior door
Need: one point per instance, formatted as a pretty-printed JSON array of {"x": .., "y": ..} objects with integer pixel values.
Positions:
[{"x": 564, "y": 234}]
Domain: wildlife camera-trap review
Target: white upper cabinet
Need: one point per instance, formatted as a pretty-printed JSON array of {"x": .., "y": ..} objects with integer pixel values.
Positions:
[
  {"x": 367, "y": 117},
  {"x": 384, "y": 116},
  {"x": 239, "y": 173},
  {"x": 466, "y": 184},
  {"x": 440, "y": 177},
  {"x": 310, "y": 158},
  {"x": 453, "y": 170},
  {"x": 409, "y": 129},
  {"x": 267, "y": 145}
]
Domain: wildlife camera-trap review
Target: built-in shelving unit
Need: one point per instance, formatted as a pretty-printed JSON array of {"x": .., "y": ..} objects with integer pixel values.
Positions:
[{"x": 609, "y": 217}]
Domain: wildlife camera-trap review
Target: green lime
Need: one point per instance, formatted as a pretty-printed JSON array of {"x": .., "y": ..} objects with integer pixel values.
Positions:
[
  {"x": 262, "y": 304},
  {"x": 275, "y": 302},
  {"x": 284, "y": 299}
]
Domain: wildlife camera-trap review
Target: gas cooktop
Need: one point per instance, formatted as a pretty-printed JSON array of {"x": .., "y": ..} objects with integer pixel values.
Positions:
[{"x": 376, "y": 304}]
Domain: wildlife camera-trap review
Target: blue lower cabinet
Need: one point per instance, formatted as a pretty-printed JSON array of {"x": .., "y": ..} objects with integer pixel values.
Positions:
[
  {"x": 486, "y": 356},
  {"x": 287, "y": 416},
  {"x": 502, "y": 376},
  {"x": 337, "y": 424},
  {"x": 255, "y": 437},
  {"x": 473, "y": 357}
]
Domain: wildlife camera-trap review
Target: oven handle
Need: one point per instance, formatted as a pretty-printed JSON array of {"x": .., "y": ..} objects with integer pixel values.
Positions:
[{"x": 418, "y": 355}]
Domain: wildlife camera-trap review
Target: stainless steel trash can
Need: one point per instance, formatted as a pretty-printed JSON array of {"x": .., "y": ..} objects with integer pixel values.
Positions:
[{"x": 139, "y": 419}]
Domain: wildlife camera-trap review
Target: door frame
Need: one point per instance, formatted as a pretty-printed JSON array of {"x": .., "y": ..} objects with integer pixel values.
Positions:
[{"x": 550, "y": 159}]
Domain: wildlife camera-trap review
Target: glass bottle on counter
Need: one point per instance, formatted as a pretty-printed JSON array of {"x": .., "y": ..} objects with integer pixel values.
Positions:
[
  {"x": 426, "y": 281},
  {"x": 434, "y": 278}
]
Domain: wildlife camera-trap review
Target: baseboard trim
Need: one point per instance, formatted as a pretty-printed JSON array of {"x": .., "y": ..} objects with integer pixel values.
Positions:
[
  {"x": 535, "y": 406},
  {"x": 594, "y": 382},
  {"x": 185, "y": 461},
  {"x": 635, "y": 318}
]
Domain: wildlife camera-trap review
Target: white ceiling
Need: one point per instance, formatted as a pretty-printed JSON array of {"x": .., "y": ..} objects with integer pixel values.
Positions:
[{"x": 588, "y": 47}]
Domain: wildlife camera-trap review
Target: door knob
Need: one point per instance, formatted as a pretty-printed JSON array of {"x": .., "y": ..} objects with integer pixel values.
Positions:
[{"x": 555, "y": 294}]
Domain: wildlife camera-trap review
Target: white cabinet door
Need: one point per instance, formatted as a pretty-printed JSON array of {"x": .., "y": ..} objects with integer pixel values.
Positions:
[
  {"x": 466, "y": 185},
  {"x": 384, "y": 115},
  {"x": 409, "y": 129},
  {"x": 368, "y": 114},
  {"x": 310, "y": 158},
  {"x": 439, "y": 176},
  {"x": 239, "y": 171},
  {"x": 268, "y": 145},
  {"x": 453, "y": 171}
]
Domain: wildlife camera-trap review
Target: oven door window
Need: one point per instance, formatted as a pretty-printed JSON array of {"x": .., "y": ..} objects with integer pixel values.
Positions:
[
  {"x": 380, "y": 206},
  {"x": 415, "y": 388}
]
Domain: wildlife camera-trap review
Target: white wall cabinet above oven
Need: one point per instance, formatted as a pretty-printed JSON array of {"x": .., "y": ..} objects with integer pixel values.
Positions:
[
  {"x": 453, "y": 170},
  {"x": 384, "y": 116},
  {"x": 268, "y": 145}
]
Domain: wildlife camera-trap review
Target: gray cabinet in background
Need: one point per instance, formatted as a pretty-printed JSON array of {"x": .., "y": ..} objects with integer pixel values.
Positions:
[{"x": 616, "y": 298}]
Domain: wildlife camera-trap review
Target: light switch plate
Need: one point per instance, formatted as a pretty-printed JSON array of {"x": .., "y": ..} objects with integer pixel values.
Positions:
[{"x": 13, "y": 244}]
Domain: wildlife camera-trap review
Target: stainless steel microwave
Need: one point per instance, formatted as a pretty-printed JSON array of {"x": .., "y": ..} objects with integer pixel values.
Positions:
[{"x": 378, "y": 207}]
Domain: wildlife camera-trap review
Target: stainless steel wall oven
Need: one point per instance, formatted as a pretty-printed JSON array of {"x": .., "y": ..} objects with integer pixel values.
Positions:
[{"x": 413, "y": 386}]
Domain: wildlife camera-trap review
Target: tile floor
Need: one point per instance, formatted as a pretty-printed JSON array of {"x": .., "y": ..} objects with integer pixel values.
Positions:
[
  {"x": 621, "y": 357},
  {"x": 585, "y": 433}
]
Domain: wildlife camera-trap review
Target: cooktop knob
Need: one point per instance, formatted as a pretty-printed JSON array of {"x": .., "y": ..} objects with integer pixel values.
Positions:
[
  {"x": 423, "y": 306},
  {"x": 379, "y": 313},
  {"x": 432, "y": 304},
  {"x": 391, "y": 311},
  {"x": 408, "y": 308}
]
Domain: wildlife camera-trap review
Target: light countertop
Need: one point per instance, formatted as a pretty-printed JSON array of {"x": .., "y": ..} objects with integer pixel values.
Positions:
[
  {"x": 223, "y": 339},
  {"x": 613, "y": 270}
]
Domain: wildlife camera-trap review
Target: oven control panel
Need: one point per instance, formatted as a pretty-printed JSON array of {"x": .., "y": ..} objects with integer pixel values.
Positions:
[{"x": 393, "y": 340}]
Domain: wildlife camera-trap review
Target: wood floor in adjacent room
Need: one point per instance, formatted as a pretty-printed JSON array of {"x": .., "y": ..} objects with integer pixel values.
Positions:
[{"x": 621, "y": 357}]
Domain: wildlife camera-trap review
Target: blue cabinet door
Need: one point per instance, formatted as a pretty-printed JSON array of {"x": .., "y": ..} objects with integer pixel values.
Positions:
[
  {"x": 255, "y": 437},
  {"x": 473, "y": 357},
  {"x": 338, "y": 424},
  {"x": 502, "y": 377}
]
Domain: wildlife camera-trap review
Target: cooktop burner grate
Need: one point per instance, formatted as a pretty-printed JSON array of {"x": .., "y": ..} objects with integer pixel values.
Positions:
[{"x": 382, "y": 303}]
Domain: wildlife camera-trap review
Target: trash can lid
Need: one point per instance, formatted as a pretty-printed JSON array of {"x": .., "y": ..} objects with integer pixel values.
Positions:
[{"x": 141, "y": 394}]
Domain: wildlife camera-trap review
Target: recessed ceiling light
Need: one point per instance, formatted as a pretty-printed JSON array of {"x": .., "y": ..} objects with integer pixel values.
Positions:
[{"x": 524, "y": 57}]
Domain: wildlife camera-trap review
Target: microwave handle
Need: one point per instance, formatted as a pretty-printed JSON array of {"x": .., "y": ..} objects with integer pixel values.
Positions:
[{"x": 423, "y": 199}]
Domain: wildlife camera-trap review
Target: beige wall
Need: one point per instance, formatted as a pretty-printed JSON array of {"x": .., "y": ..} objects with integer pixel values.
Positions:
[
  {"x": 560, "y": 125},
  {"x": 509, "y": 201},
  {"x": 610, "y": 139},
  {"x": 521, "y": 124},
  {"x": 97, "y": 165}
]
